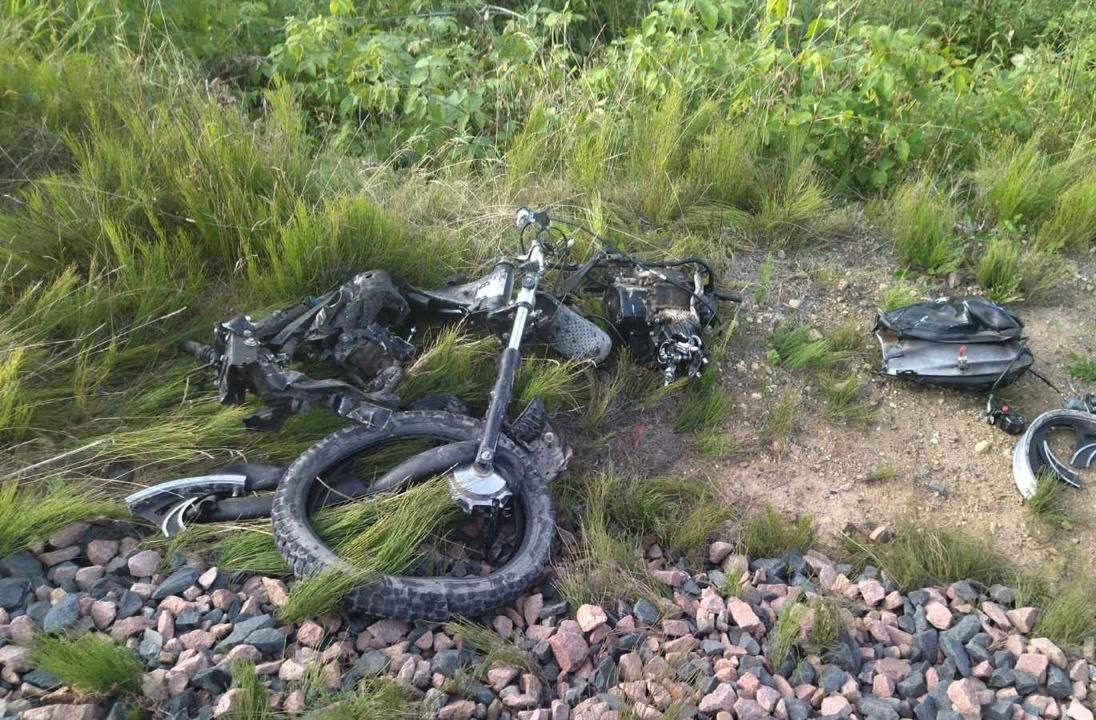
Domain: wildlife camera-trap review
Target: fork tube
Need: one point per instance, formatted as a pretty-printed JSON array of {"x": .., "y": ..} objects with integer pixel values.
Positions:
[{"x": 508, "y": 367}]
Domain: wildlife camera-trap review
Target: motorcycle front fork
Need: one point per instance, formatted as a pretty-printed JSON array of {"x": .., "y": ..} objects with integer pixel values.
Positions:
[{"x": 504, "y": 382}]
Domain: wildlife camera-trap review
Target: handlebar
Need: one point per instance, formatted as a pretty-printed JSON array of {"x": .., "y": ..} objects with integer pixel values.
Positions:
[{"x": 206, "y": 353}]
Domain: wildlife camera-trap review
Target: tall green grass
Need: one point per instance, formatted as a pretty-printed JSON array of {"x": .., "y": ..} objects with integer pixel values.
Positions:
[
  {"x": 1072, "y": 224},
  {"x": 387, "y": 531},
  {"x": 794, "y": 209},
  {"x": 29, "y": 514},
  {"x": 998, "y": 271},
  {"x": 90, "y": 664},
  {"x": 1009, "y": 272},
  {"x": 921, "y": 219},
  {"x": 1018, "y": 182}
]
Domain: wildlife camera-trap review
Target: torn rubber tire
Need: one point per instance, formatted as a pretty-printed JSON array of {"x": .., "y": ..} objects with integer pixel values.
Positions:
[
  {"x": 1033, "y": 455},
  {"x": 404, "y": 597}
]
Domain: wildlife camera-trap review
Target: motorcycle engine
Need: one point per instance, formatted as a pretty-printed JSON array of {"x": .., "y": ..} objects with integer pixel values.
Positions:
[{"x": 660, "y": 313}]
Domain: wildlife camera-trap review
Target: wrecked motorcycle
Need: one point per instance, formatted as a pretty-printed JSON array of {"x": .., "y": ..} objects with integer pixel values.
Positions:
[{"x": 497, "y": 470}]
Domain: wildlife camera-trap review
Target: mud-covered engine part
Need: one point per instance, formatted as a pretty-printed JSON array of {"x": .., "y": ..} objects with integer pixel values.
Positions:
[{"x": 660, "y": 313}]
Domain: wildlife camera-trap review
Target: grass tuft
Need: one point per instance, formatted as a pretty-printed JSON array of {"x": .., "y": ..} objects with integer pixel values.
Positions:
[
  {"x": 795, "y": 210},
  {"x": 1018, "y": 183},
  {"x": 799, "y": 346},
  {"x": 1051, "y": 503},
  {"x": 679, "y": 513},
  {"x": 627, "y": 381},
  {"x": 998, "y": 271},
  {"x": 372, "y": 698},
  {"x": 254, "y": 701},
  {"x": 724, "y": 164},
  {"x": 496, "y": 649},
  {"x": 1070, "y": 617},
  {"x": 921, "y": 220},
  {"x": 28, "y": 515},
  {"x": 615, "y": 513},
  {"x": 780, "y": 418},
  {"x": 847, "y": 400},
  {"x": 919, "y": 558},
  {"x": 387, "y": 532},
  {"x": 91, "y": 664},
  {"x": 1082, "y": 368},
  {"x": 897, "y": 296},
  {"x": 1073, "y": 222},
  {"x": 604, "y": 566},
  {"x": 827, "y": 621},
  {"x": 788, "y": 628},
  {"x": 768, "y": 534}
]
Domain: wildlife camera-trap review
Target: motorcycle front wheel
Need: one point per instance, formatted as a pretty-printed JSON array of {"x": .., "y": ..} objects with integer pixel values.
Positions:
[{"x": 452, "y": 441}]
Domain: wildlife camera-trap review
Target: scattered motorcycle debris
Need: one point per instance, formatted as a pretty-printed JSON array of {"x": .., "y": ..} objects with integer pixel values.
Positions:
[
  {"x": 973, "y": 343},
  {"x": 963, "y": 342},
  {"x": 1033, "y": 456},
  {"x": 497, "y": 468}
]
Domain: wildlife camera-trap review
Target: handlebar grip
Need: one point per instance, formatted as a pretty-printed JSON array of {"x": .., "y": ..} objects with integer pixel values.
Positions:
[{"x": 206, "y": 353}]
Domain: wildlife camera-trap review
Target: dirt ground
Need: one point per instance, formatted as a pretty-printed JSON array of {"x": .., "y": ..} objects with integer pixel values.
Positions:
[{"x": 927, "y": 456}]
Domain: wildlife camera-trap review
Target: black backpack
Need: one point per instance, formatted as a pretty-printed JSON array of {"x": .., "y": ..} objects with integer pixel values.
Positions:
[{"x": 959, "y": 342}]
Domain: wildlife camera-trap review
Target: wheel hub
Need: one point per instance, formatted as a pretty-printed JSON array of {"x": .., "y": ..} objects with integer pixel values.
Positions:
[{"x": 471, "y": 488}]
